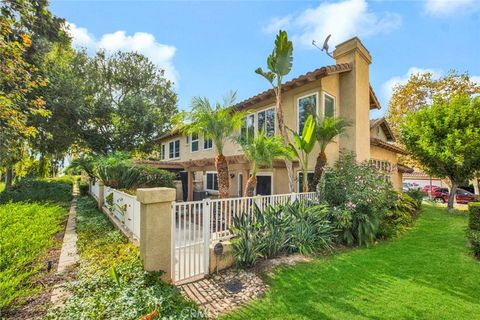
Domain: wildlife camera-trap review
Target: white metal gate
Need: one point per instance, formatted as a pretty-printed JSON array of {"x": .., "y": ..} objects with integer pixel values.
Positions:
[{"x": 190, "y": 239}]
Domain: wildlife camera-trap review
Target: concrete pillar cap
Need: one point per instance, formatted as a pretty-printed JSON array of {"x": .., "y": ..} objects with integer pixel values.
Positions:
[{"x": 155, "y": 195}]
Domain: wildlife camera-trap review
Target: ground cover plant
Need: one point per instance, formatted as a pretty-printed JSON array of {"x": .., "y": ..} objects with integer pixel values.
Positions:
[
  {"x": 110, "y": 282},
  {"x": 427, "y": 273},
  {"x": 31, "y": 213}
]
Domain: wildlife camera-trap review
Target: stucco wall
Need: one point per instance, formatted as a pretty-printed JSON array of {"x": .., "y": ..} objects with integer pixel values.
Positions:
[{"x": 382, "y": 154}]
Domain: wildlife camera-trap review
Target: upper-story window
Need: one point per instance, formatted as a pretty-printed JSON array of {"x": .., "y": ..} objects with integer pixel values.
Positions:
[
  {"x": 162, "y": 151},
  {"x": 328, "y": 105},
  {"x": 194, "y": 146},
  {"x": 174, "y": 149},
  {"x": 266, "y": 121},
  {"x": 207, "y": 143},
  {"x": 307, "y": 105},
  {"x": 248, "y": 128}
]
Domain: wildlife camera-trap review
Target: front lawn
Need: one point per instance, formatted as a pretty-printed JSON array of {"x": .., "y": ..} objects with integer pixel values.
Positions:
[
  {"x": 31, "y": 214},
  {"x": 429, "y": 273}
]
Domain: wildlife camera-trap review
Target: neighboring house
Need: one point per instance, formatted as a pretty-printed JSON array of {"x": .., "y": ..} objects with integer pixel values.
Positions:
[
  {"x": 422, "y": 179},
  {"x": 341, "y": 90}
]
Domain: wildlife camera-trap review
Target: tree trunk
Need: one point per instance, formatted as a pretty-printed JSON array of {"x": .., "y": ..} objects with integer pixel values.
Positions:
[
  {"x": 451, "y": 196},
  {"x": 223, "y": 176},
  {"x": 475, "y": 185},
  {"x": 251, "y": 184},
  {"x": 284, "y": 134},
  {"x": 8, "y": 178},
  {"x": 319, "y": 166}
]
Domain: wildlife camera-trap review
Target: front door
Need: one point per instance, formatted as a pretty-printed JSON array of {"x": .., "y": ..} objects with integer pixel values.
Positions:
[{"x": 264, "y": 185}]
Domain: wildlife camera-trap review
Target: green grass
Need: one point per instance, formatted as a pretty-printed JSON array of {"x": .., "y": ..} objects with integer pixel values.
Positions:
[
  {"x": 27, "y": 231},
  {"x": 31, "y": 213},
  {"x": 96, "y": 294},
  {"x": 429, "y": 273}
]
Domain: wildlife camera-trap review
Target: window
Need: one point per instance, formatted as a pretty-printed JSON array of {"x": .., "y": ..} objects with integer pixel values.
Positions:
[
  {"x": 174, "y": 149},
  {"x": 162, "y": 152},
  {"x": 266, "y": 121},
  {"x": 300, "y": 180},
  {"x": 248, "y": 128},
  {"x": 306, "y": 106},
  {"x": 328, "y": 105},
  {"x": 211, "y": 181},
  {"x": 207, "y": 143},
  {"x": 194, "y": 146}
]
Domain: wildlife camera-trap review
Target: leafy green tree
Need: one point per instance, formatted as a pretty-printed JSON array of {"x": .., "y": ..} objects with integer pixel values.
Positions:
[
  {"x": 260, "y": 151},
  {"x": 219, "y": 123},
  {"x": 127, "y": 102},
  {"x": 444, "y": 138},
  {"x": 326, "y": 131},
  {"x": 303, "y": 147},
  {"x": 279, "y": 64}
]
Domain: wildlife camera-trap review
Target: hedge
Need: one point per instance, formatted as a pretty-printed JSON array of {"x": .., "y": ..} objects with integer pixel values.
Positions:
[{"x": 474, "y": 226}]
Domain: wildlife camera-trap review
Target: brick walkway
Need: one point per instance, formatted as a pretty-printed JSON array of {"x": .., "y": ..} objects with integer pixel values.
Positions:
[
  {"x": 68, "y": 255},
  {"x": 212, "y": 296}
]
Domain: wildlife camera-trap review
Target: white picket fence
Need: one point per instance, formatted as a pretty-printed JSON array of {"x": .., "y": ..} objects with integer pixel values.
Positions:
[
  {"x": 125, "y": 208},
  {"x": 198, "y": 223},
  {"x": 94, "y": 189}
]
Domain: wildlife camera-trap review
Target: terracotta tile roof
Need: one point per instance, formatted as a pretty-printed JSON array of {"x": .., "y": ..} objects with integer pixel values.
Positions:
[
  {"x": 296, "y": 82},
  {"x": 387, "y": 146}
]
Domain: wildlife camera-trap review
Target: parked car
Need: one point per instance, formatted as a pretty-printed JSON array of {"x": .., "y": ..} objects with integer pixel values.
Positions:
[
  {"x": 426, "y": 189},
  {"x": 410, "y": 186},
  {"x": 462, "y": 196}
]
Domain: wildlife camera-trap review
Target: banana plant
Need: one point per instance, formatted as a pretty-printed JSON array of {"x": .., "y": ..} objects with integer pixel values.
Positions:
[{"x": 303, "y": 146}]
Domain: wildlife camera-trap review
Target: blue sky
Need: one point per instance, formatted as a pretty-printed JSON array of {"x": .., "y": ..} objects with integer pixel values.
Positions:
[{"x": 209, "y": 48}]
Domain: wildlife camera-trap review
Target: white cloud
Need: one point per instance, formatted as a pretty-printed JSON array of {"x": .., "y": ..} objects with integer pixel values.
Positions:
[
  {"x": 277, "y": 23},
  {"x": 141, "y": 42},
  {"x": 387, "y": 87},
  {"x": 475, "y": 79},
  {"x": 343, "y": 19},
  {"x": 449, "y": 7}
]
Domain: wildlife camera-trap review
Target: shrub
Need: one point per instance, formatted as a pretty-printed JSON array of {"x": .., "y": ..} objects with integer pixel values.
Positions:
[
  {"x": 38, "y": 190},
  {"x": 291, "y": 228},
  {"x": 474, "y": 226},
  {"x": 399, "y": 216},
  {"x": 27, "y": 231},
  {"x": 150, "y": 177},
  {"x": 474, "y": 216},
  {"x": 84, "y": 187},
  {"x": 418, "y": 195},
  {"x": 358, "y": 195}
]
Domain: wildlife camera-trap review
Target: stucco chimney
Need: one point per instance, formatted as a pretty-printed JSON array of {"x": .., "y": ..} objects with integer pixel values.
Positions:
[{"x": 355, "y": 96}]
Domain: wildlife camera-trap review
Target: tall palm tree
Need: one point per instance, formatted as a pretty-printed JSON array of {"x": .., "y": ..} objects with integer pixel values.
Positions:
[
  {"x": 217, "y": 122},
  {"x": 327, "y": 130},
  {"x": 279, "y": 64},
  {"x": 260, "y": 151}
]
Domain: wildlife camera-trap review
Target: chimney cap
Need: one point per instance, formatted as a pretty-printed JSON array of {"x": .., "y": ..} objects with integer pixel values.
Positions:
[{"x": 351, "y": 45}]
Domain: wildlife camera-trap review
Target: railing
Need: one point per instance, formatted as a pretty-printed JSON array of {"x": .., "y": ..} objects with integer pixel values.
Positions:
[
  {"x": 94, "y": 189},
  {"x": 125, "y": 208}
]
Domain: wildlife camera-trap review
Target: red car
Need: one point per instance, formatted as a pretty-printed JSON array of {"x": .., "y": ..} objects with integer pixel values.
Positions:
[
  {"x": 462, "y": 196},
  {"x": 426, "y": 189}
]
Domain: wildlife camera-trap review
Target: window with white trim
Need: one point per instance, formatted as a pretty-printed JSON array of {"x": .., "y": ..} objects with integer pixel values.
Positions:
[
  {"x": 328, "y": 105},
  {"x": 174, "y": 149},
  {"x": 248, "y": 128},
  {"x": 207, "y": 143},
  {"x": 162, "y": 152},
  {"x": 194, "y": 145},
  {"x": 307, "y": 105},
  {"x": 211, "y": 181},
  {"x": 266, "y": 121}
]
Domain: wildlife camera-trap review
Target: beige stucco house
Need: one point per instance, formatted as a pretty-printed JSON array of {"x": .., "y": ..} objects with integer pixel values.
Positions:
[{"x": 341, "y": 90}]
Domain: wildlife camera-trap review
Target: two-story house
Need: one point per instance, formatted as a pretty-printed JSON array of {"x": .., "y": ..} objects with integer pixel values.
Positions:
[{"x": 340, "y": 90}]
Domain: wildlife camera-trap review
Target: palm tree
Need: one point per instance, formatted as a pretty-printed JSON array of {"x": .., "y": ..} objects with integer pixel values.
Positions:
[
  {"x": 279, "y": 64},
  {"x": 327, "y": 130},
  {"x": 218, "y": 123},
  {"x": 260, "y": 151},
  {"x": 303, "y": 147}
]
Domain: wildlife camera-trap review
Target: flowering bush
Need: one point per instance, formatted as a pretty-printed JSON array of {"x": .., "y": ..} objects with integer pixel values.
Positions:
[{"x": 358, "y": 195}]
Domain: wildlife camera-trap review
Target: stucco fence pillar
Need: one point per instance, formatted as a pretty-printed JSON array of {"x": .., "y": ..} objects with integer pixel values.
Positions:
[{"x": 156, "y": 229}]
